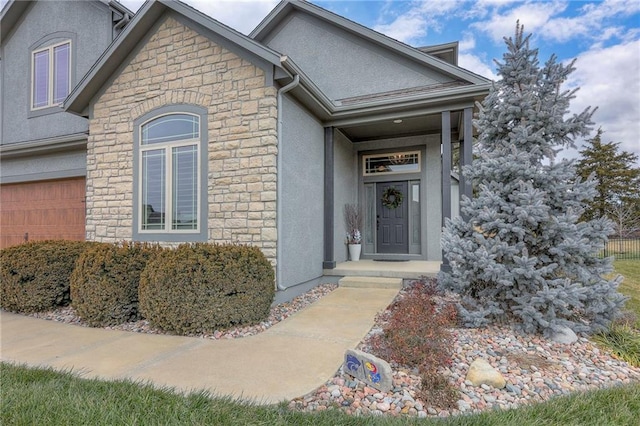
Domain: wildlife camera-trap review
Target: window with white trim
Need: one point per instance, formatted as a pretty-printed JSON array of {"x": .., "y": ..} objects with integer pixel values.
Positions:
[
  {"x": 50, "y": 75},
  {"x": 169, "y": 192}
]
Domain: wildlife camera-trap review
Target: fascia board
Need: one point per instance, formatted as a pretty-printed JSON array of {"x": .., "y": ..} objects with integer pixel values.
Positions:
[
  {"x": 119, "y": 7},
  {"x": 285, "y": 7},
  {"x": 308, "y": 85},
  {"x": 44, "y": 146},
  {"x": 438, "y": 96},
  {"x": 80, "y": 97},
  {"x": 227, "y": 32},
  {"x": 333, "y": 111},
  {"x": 271, "y": 20},
  {"x": 10, "y": 16}
]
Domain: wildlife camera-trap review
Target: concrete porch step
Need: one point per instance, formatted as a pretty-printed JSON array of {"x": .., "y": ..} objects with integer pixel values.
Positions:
[{"x": 371, "y": 282}]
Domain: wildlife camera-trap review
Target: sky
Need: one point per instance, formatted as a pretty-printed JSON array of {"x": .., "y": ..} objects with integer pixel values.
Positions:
[{"x": 603, "y": 37}]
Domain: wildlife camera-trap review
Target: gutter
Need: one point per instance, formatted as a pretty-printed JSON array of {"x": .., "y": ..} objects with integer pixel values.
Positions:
[
  {"x": 122, "y": 22},
  {"x": 281, "y": 91}
]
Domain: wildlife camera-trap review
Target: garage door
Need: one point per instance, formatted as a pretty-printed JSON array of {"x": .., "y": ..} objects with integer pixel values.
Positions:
[{"x": 42, "y": 211}]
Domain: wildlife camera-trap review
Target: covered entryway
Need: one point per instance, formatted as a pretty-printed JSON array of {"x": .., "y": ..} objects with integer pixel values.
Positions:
[{"x": 42, "y": 210}]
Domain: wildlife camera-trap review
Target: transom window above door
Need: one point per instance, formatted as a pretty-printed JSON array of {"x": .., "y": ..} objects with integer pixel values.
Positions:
[{"x": 390, "y": 163}]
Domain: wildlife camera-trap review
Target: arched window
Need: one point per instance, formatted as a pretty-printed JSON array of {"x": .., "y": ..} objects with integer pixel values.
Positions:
[
  {"x": 52, "y": 72},
  {"x": 171, "y": 177}
]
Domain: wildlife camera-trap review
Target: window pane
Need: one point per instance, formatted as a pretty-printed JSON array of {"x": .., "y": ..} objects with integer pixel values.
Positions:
[
  {"x": 40, "y": 78},
  {"x": 403, "y": 162},
  {"x": 153, "y": 189},
  {"x": 61, "y": 56},
  {"x": 169, "y": 128},
  {"x": 185, "y": 187}
]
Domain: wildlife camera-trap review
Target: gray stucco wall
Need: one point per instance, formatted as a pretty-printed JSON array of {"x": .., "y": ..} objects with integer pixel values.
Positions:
[
  {"x": 90, "y": 22},
  {"x": 329, "y": 56},
  {"x": 52, "y": 166},
  {"x": 300, "y": 196},
  {"x": 345, "y": 190}
]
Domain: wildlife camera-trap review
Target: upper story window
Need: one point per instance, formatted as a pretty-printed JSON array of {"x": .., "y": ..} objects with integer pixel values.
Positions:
[{"x": 51, "y": 75}]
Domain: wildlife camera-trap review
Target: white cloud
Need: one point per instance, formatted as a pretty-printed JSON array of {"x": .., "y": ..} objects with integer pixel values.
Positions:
[
  {"x": 593, "y": 22},
  {"x": 609, "y": 78},
  {"x": 242, "y": 15},
  {"x": 532, "y": 15},
  {"x": 477, "y": 65},
  {"x": 421, "y": 17},
  {"x": 469, "y": 60}
]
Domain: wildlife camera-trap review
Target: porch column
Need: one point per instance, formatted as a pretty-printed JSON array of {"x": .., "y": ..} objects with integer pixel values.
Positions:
[
  {"x": 446, "y": 166},
  {"x": 446, "y": 176},
  {"x": 466, "y": 153},
  {"x": 329, "y": 262}
]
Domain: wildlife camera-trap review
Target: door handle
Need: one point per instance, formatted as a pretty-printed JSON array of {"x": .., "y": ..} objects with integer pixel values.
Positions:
[{"x": 377, "y": 222}]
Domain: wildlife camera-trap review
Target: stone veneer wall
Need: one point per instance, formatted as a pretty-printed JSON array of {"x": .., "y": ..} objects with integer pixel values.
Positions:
[{"x": 175, "y": 66}]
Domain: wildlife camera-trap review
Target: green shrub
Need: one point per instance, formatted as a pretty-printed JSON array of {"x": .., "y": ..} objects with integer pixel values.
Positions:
[
  {"x": 34, "y": 277},
  {"x": 204, "y": 287},
  {"x": 104, "y": 285}
]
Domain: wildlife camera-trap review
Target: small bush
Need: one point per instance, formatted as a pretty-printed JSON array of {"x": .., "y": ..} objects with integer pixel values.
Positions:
[
  {"x": 104, "y": 285},
  {"x": 34, "y": 277},
  {"x": 418, "y": 335},
  {"x": 204, "y": 287}
]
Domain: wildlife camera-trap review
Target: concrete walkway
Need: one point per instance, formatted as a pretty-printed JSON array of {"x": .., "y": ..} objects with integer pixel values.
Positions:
[{"x": 290, "y": 359}]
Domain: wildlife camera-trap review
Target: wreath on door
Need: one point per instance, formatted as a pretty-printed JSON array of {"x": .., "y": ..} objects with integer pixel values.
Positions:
[{"x": 392, "y": 198}]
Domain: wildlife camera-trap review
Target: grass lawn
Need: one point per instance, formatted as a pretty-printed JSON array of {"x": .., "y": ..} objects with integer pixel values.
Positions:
[
  {"x": 44, "y": 397},
  {"x": 630, "y": 269}
]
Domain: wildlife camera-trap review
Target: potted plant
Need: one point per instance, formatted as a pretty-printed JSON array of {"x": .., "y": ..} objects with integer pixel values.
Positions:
[{"x": 353, "y": 222}]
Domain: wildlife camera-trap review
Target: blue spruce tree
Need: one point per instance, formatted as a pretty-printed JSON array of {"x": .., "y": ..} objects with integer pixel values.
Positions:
[{"x": 519, "y": 253}]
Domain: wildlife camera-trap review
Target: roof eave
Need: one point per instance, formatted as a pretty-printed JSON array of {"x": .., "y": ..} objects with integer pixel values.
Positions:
[
  {"x": 328, "y": 109},
  {"x": 11, "y": 12},
  {"x": 79, "y": 99},
  {"x": 283, "y": 9}
]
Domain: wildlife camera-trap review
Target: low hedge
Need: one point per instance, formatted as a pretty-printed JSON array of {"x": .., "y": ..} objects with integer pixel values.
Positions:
[
  {"x": 206, "y": 287},
  {"x": 104, "y": 285},
  {"x": 34, "y": 276}
]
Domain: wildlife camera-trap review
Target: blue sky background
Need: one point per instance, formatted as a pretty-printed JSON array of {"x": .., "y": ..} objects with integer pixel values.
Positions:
[{"x": 604, "y": 37}]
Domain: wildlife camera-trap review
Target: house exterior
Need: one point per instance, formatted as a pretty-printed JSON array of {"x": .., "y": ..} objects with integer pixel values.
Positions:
[
  {"x": 200, "y": 133},
  {"x": 45, "y": 50}
]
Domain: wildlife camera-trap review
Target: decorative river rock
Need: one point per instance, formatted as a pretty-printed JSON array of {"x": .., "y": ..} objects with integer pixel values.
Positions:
[{"x": 372, "y": 370}]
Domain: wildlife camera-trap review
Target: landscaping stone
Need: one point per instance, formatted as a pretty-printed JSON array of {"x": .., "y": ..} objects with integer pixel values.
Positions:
[
  {"x": 370, "y": 369},
  {"x": 481, "y": 372},
  {"x": 563, "y": 335}
]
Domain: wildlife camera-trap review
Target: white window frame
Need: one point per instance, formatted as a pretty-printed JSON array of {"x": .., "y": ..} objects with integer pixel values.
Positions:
[
  {"x": 387, "y": 155},
  {"x": 168, "y": 149},
  {"x": 50, "y": 72}
]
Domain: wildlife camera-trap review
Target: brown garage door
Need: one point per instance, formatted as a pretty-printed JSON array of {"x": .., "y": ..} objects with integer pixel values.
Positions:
[{"x": 42, "y": 211}]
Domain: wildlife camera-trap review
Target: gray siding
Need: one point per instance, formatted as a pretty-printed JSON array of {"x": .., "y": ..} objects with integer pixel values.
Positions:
[
  {"x": 344, "y": 65},
  {"x": 53, "y": 166},
  {"x": 345, "y": 184},
  {"x": 90, "y": 24},
  {"x": 300, "y": 196}
]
